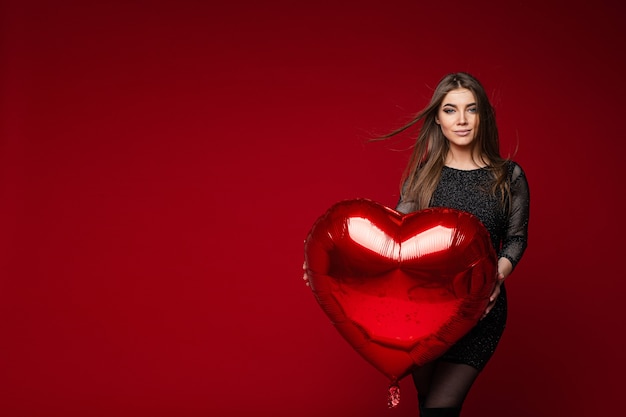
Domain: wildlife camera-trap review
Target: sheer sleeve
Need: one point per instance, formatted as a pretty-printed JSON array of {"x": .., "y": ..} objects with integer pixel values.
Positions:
[
  {"x": 516, "y": 237},
  {"x": 405, "y": 206}
]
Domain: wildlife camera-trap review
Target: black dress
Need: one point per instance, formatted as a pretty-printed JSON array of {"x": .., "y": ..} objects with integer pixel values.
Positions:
[{"x": 508, "y": 226}]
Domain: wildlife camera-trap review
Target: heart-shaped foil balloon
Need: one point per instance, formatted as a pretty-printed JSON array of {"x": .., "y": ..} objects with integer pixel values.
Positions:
[{"x": 401, "y": 289}]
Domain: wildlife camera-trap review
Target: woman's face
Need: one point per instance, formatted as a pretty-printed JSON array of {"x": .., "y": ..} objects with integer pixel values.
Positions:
[{"x": 458, "y": 117}]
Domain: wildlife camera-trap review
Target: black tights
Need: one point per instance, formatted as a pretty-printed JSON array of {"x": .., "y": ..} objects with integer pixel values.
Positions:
[{"x": 442, "y": 387}]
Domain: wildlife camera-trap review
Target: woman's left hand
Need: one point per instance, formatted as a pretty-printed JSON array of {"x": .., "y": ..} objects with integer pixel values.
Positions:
[
  {"x": 494, "y": 295},
  {"x": 504, "y": 269}
]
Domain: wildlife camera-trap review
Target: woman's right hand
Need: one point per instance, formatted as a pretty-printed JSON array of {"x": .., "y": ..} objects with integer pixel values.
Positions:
[{"x": 305, "y": 277}]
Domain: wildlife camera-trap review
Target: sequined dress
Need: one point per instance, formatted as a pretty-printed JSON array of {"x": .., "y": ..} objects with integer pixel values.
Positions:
[{"x": 468, "y": 190}]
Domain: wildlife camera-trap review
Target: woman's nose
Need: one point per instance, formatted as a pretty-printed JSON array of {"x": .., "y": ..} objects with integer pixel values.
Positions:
[{"x": 462, "y": 120}]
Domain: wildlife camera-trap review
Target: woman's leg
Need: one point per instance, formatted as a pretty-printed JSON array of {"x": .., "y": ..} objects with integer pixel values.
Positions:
[
  {"x": 450, "y": 384},
  {"x": 421, "y": 378},
  {"x": 444, "y": 386}
]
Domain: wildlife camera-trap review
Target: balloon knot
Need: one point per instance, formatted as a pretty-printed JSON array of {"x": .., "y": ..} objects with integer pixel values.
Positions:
[{"x": 393, "y": 398}]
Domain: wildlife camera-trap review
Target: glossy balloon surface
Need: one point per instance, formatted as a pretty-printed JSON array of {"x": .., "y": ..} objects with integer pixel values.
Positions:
[{"x": 401, "y": 289}]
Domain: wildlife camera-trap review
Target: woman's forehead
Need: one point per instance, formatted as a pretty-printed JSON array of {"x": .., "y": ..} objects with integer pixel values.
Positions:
[{"x": 459, "y": 95}]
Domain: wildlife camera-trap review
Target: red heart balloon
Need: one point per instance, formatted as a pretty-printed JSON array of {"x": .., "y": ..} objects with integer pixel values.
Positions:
[{"x": 401, "y": 289}]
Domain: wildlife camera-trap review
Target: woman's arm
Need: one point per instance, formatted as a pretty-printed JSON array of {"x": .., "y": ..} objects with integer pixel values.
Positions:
[{"x": 516, "y": 238}]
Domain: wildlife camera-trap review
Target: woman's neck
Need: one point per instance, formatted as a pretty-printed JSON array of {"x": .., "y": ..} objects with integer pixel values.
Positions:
[{"x": 464, "y": 160}]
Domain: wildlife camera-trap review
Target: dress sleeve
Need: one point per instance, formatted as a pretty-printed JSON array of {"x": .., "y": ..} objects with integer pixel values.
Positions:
[
  {"x": 516, "y": 238},
  {"x": 405, "y": 206}
]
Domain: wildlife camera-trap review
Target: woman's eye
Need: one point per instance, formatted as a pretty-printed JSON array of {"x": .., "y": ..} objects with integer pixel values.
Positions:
[
  {"x": 448, "y": 111},
  {"x": 472, "y": 110}
]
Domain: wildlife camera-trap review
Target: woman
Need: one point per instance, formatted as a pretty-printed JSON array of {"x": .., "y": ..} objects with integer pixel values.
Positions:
[{"x": 456, "y": 163}]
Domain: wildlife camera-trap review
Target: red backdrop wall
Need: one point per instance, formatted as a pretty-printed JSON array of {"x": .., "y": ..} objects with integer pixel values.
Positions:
[{"x": 161, "y": 163}]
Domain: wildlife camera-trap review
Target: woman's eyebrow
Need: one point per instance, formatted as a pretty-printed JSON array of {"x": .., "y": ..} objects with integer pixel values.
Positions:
[{"x": 455, "y": 106}]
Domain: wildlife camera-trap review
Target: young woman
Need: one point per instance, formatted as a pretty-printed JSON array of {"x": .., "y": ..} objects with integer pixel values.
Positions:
[{"x": 456, "y": 163}]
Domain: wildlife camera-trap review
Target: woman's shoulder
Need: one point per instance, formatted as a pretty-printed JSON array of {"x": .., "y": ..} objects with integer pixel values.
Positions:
[{"x": 515, "y": 170}]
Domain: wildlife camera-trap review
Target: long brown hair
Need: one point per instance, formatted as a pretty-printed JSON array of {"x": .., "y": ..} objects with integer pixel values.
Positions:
[{"x": 422, "y": 173}]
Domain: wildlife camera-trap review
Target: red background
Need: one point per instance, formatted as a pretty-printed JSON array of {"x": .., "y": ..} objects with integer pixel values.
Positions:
[{"x": 162, "y": 162}]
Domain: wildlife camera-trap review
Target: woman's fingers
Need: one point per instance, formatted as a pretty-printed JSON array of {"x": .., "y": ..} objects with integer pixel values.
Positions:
[{"x": 305, "y": 277}]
